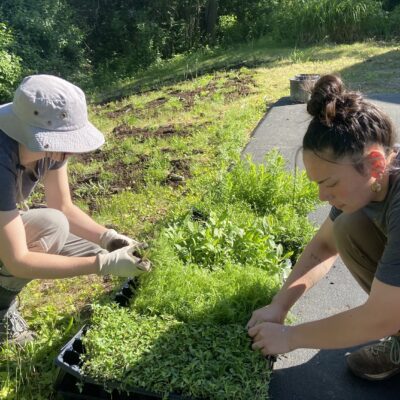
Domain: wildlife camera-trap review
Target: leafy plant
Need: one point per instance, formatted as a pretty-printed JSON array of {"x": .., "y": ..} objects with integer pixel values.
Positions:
[
  {"x": 268, "y": 186},
  {"x": 10, "y": 68},
  {"x": 224, "y": 238}
]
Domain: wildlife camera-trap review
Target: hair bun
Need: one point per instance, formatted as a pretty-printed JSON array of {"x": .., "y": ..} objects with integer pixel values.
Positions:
[{"x": 326, "y": 97}]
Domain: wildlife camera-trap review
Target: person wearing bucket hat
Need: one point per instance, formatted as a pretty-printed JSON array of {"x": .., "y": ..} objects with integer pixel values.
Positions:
[{"x": 47, "y": 122}]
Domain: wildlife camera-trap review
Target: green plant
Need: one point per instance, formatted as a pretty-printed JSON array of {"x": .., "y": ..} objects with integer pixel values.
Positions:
[
  {"x": 268, "y": 186},
  {"x": 10, "y": 68},
  {"x": 192, "y": 293},
  {"x": 47, "y": 36},
  {"x": 223, "y": 238},
  {"x": 310, "y": 21},
  {"x": 163, "y": 355}
]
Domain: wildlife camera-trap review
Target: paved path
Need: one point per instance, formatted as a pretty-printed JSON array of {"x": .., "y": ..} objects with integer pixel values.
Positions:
[{"x": 314, "y": 374}]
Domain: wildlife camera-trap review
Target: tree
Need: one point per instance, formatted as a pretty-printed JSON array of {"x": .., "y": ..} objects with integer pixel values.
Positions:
[{"x": 10, "y": 68}]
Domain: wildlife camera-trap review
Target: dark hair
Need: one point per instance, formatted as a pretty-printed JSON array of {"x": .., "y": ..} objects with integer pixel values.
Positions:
[{"x": 344, "y": 123}]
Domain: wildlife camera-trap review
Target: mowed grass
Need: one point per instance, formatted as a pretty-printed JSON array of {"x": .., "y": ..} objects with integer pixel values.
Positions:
[{"x": 172, "y": 130}]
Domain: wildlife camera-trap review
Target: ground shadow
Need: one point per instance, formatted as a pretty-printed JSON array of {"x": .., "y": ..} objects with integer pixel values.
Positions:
[{"x": 326, "y": 376}]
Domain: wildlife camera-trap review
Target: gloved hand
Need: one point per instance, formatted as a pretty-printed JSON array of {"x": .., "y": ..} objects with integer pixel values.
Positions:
[
  {"x": 112, "y": 240},
  {"x": 126, "y": 262}
]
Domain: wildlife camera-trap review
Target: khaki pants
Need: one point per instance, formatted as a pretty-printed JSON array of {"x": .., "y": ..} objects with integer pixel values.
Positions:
[
  {"x": 47, "y": 231},
  {"x": 360, "y": 244}
]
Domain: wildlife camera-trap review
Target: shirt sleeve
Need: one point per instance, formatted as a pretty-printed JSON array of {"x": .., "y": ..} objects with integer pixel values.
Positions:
[
  {"x": 8, "y": 197},
  {"x": 388, "y": 270}
]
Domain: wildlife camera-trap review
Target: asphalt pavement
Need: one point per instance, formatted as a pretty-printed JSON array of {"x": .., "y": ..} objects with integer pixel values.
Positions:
[{"x": 306, "y": 374}]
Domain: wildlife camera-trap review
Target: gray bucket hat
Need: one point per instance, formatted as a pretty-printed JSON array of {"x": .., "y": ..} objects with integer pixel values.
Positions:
[{"x": 50, "y": 114}]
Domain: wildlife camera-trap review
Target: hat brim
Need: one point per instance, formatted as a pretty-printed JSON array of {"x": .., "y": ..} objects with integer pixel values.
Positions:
[{"x": 83, "y": 140}]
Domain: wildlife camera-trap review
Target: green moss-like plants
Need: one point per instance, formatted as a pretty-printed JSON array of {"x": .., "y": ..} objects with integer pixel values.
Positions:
[
  {"x": 196, "y": 360},
  {"x": 194, "y": 294}
]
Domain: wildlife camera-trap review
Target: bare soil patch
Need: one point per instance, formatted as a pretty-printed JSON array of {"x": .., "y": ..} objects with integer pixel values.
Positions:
[
  {"x": 179, "y": 172},
  {"x": 124, "y": 130},
  {"x": 238, "y": 86}
]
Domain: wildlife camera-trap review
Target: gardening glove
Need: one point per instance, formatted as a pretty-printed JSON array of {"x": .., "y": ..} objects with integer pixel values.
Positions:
[
  {"x": 126, "y": 262},
  {"x": 112, "y": 240}
]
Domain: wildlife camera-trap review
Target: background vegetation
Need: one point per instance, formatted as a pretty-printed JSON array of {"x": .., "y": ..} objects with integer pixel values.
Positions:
[{"x": 98, "y": 41}]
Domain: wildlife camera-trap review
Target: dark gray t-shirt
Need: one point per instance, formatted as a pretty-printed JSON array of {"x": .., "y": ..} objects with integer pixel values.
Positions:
[
  {"x": 10, "y": 168},
  {"x": 386, "y": 216}
]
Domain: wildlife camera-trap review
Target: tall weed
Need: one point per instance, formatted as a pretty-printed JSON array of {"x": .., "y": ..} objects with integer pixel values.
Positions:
[{"x": 340, "y": 21}]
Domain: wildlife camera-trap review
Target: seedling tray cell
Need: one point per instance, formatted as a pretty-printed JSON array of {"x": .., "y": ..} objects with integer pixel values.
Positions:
[{"x": 125, "y": 294}]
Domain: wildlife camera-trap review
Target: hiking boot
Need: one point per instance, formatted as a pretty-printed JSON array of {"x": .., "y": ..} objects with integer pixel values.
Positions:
[
  {"x": 378, "y": 361},
  {"x": 13, "y": 328}
]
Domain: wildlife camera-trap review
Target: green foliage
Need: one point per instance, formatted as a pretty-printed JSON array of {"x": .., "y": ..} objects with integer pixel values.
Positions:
[
  {"x": 195, "y": 294},
  {"x": 393, "y": 24},
  {"x": 227, "y": 237},
  {"x": 10, "y": 69},
  {"x": 341, "y": 21},
  {"x": 266, "y": 187},
  {"x": 165, "y": 356},
  {"x": 47, "y": 37},
  {"x": 282, "y": 198},
  {"x": 119, "y": 38},
  {"x": 211, "y": 269}
]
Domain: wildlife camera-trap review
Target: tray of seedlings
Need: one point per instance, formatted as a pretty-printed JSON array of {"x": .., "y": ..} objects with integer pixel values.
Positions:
[
  {"x": 199, "y": 352},
  {"x": 71, "y": 382},
  {"x": 172, "y": 360}
]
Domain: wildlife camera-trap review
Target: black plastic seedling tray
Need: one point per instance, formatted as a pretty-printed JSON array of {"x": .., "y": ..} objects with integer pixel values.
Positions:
[{"x": 71, "y": 384}]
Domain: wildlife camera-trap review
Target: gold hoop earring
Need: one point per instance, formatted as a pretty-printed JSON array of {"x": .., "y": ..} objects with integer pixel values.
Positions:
[{"x": 376, "y": 187}]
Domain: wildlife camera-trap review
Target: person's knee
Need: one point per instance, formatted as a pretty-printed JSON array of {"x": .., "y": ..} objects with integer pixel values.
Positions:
[
  {"x": 58, "y": 231},
  {"x": 47, "y": 229}
]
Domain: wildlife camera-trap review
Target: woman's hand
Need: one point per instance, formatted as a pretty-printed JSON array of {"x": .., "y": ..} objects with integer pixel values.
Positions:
[
  {"x": 271, "y": 338},
  {"x": 270, "y": 313}
]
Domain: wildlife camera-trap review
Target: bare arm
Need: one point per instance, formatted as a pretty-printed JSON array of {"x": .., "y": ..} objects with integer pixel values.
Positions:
[
  {"x": 377, "y": 318},
  {"x": 313, "y": 264},
  {"x": 23, "y": 263},
  {"x": 58, "y": 196},
  {"x": 315, "y": 261}
]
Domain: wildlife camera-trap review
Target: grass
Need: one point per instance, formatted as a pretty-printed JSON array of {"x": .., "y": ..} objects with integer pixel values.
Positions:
[{"x": 195, "y": 114}]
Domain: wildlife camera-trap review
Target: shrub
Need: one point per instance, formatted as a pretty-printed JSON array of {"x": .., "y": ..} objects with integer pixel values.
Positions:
[
  {"x": 10, "y": 68},
  {"x": 341, "y": 21},
  {"x": 47, "y": 37}
]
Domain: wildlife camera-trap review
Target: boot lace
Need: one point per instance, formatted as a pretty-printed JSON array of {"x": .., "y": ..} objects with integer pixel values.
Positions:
[
  {"x": 391, "y": 344},
  {"x": 15, "y": 323}
]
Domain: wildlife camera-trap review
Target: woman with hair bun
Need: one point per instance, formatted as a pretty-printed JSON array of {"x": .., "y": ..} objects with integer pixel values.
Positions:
[{"x": 349, "y": 151}]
